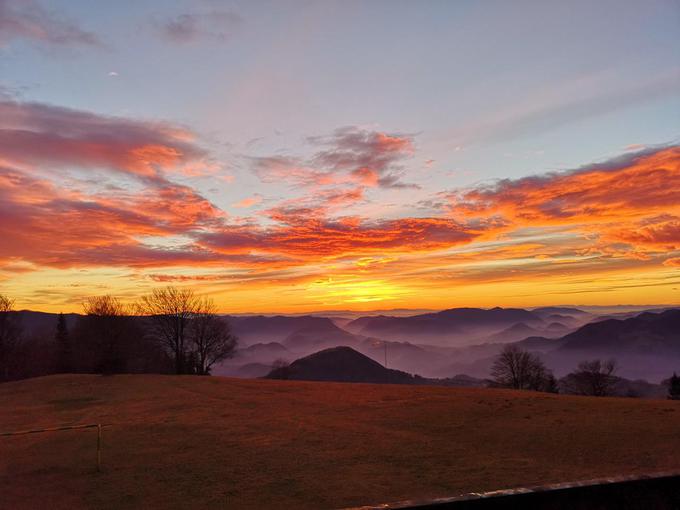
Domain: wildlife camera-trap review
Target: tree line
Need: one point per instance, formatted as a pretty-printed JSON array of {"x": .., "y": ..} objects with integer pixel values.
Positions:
[
  {"x": 170, "y": 330},
  {"x": 519, "y": 369}
]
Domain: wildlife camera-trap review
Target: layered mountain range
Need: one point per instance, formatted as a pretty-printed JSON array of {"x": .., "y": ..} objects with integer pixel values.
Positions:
[{"x": 646, "y": 344}]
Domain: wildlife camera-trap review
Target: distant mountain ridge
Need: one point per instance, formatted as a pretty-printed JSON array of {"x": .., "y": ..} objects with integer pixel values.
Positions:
[
  {"x": 453, "y": 322},
  {"x": 43, "y": 323},
  {"x": 264, "y": 328},
  {"x": 646, "y": 333},
  {"x": 558, "y": 310}
]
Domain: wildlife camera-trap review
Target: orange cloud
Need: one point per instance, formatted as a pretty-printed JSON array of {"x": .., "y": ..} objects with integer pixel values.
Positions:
[
  {"x": 49, "y": 225},
  {"x": 672, "y": 262},
  {"x": 633, "y": 199},
  {"x": 248, "y": 202},
  {"x": 309, "y": 238},
  {"x": 622, "y": 215},
  {"x": 661, "y": 232}
]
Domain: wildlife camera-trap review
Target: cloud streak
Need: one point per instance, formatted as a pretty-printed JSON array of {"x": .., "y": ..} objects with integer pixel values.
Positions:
[{"x": 27, "y": 19}]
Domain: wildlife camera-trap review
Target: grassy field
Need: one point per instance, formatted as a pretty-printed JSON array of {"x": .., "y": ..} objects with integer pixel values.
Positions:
[{"x": 191, "y": 442}]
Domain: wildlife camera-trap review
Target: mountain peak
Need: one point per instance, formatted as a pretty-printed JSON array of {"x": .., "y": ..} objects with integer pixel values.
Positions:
[{"x": 342, "y": 364}]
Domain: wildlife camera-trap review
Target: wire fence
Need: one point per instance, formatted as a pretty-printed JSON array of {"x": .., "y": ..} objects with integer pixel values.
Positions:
[{"x": 98, "y": 426}]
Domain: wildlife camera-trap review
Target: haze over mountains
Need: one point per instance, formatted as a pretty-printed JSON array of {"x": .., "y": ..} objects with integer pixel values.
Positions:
[
  {"x": 457, "y": 341},
  {"x": 466, "y": 340}
]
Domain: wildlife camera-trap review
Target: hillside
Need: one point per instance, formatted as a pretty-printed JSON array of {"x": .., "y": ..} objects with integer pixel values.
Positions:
[
  {"x": 341, "y": 364},
  {"x": 647, "y": 333},
  {"x": 208, "y": 442},
  {"x": 344, "y": 364},
  {"x": 646, "y": 346}
]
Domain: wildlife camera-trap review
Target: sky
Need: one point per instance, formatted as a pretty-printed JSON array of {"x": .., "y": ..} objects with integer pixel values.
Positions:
[{"x": 290, "y": 156}]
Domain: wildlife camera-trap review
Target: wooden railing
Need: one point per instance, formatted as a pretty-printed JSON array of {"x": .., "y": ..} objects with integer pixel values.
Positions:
[{"x": 659, "y": 491}]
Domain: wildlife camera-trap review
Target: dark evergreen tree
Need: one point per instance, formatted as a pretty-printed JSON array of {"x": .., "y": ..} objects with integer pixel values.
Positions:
[
  {"x": 674, "y": 387},
  {"x": 64, "y": 350},
  {"x": 550, "y": 384}
]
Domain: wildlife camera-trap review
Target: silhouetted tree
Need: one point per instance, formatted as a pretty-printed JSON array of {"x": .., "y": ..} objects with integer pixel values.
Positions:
[
  {"x": 550, "y": 384},
  {"x": 63, "y": 345},
  {"x": 595, "y": 378},
  {"x": 280, "y": 369},
  {"x": 519, "y": 369},
  {"x": 10, "y": 335},
  {"x": 107, "y": 324},
  {"x": 169, "y": 312},
  {"x": 674, "y": 387},
  {"x": 210, "y": 338}
]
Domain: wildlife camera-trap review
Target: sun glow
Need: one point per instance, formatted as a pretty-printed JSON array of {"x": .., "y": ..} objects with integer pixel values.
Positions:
[{"x": 354, "y": 290}]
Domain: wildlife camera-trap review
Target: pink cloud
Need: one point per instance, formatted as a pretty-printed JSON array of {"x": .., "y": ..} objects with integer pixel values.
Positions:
[
  {"x": 348, "y": 156},
  {"x": 33, "y": 134}
]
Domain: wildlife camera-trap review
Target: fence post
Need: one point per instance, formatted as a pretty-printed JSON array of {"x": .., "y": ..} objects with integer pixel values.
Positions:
[{"x": 99, "y": 447}]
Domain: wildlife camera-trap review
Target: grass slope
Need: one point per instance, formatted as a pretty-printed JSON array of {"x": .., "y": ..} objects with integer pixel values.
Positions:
[{"x": 191, "y": 442}]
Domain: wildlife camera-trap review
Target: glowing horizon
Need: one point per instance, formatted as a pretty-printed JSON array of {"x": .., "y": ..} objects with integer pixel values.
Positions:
[{"x": 272, "y": 188}]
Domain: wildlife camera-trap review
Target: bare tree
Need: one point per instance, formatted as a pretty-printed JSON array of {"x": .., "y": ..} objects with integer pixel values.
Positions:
[
  {"x": 170, "y": 311},
  {"x": 520, "y": 369},
  {"x": 107, "y": 324},
  {"x": 104, "y": 306},
  {"x": 210, "y": 338},
  {"x": 594, "y": 378},
  {"x": 10, "y": 334}
]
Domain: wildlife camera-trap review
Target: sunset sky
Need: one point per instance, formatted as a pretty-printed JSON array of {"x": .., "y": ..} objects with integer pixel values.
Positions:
[{"x": 290, "y": 156}]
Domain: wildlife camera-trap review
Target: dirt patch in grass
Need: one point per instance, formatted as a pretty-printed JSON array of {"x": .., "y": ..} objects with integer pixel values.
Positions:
[{"x": 72, "y": 403}]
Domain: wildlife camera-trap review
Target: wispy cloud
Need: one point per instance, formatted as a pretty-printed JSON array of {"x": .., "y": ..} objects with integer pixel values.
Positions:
[
  {"x": 27, "y": 19},
  {"x": 349, "y": 155},
  {"x": 583, "y": 97},
  {"x": 215, "y": 25}
]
